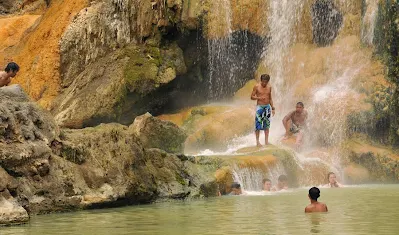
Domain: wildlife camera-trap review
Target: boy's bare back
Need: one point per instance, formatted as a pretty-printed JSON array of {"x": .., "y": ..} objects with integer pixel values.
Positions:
[{"x": 316, "y": 207}]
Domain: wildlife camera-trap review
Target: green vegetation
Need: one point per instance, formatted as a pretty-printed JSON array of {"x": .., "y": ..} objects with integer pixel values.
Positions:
[
  {"x": 141, "y": 70},
  {"x": 381, "y": 121},
  {"x": 386, "y": 40}
]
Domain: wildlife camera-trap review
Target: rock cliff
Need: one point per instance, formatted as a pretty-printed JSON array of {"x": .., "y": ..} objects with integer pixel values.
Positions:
[{"x": 44, "y": 169}]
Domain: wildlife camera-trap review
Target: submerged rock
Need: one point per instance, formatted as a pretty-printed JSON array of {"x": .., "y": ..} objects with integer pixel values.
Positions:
[{"x": 12, "y": 213}]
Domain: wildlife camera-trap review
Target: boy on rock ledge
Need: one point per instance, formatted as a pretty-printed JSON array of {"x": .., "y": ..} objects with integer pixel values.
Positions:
[
  {"x": 262, "y": 93},
  {"x": 11, "y": 71}
]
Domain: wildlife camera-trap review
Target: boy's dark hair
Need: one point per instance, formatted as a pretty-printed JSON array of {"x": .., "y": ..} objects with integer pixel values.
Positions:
[
  {"x": 282, "y": 178},
  {"x": 265, "y": 77},
  {"x": 314, "y": 193},
  {"x": 12, "y": 67},
  {"x": 301, "y": 104},
  {"x": 235, "y": 185},
  {"x": 266, "y": 180}
]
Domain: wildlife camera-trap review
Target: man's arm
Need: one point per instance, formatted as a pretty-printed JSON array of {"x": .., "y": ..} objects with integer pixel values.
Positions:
[
  {"x": 288, "y": 116},
  {"x": 8, "y": 81},
  {"x": 271, "y": 102},
  {"x": 253, "y": 95}
]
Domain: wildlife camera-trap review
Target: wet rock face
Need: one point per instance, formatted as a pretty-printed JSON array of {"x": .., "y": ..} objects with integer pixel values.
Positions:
[{"x": 326, "y": 22}]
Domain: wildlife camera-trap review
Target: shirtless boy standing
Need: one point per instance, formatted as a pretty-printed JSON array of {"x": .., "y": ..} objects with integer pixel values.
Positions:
[{"x": 262, "y": 93}]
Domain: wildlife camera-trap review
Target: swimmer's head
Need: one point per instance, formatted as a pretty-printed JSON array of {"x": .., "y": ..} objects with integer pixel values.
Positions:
[
  {"x": 236, "y": 188},
  {"x": 282, "y": 181},
  {"x": 314, "y": 193},
  {"x": 235, "y": 185},
  {"x": 332, "y": 178},
  {"x": 267, "y": 184}
]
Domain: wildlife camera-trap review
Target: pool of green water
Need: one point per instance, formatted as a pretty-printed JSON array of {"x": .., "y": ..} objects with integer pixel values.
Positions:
[{"x": 369, "y": 209}]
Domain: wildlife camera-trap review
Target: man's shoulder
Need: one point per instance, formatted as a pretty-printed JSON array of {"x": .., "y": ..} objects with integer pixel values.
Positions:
[{"x": 2, "y": 74}]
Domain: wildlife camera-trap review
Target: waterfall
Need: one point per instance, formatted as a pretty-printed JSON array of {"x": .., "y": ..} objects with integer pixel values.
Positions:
[
  {"x": 233, "y": 54},
  {"x": 368, "y": 21},
  {"x": 219, "y": 46},
  {"x": 322, "y": 75},
  {"x": 250, "y": 178},
  {"x": 283, "y": 16}
]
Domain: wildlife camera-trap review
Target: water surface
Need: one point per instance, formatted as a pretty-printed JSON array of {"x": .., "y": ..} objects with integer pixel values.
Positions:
[{"x": 370, "y": 209}]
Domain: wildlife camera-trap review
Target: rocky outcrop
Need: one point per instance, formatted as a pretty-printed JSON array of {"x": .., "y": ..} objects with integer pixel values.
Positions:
[
  {"x": 108, "y": 25},
  {"x": 377, "y": 163},
  {"x": 117, "y": 87},
  {"x": 46, "y": 170},
  {"x": 154, "y": 133}
]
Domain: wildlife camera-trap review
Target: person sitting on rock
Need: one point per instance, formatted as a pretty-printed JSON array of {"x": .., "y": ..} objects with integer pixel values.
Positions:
[
  {"x": 267, "y": 185},
  {"x": 315, "y": 206},
  {"x": 282, "y": 183},
  {"x": 332, "y": 181},
  {"x": 235, "y": 189},
  {"x": 11, "y": 71},
  {"x": 295, "y": 123}
]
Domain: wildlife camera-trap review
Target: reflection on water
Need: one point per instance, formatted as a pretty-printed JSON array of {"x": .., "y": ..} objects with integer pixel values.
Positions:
[{"x": 357, "y": 210}]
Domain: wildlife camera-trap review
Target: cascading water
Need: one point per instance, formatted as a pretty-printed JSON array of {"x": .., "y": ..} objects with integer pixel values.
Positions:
[
  {"x": 283, "y": 16},
  {"x": 232, "y": 55},
  {"x": 219, "y": 47},
  {"x": 251, "y": 178},
  {"x": 368, "y": 21}
]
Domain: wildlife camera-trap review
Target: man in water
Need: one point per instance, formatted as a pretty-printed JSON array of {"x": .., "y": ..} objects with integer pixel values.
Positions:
[
  {"x": 314, "y": 205},
  {"x": 267, "y": 185},
  {"x": 332, "y": 181},
  {"x": 235, "y": 189},
  {"x": 262, "y": 93},
  {"x": 295, "y": 123},
  {"x": 282, "y": 183},
  {"x": 11, "y": 71}
]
